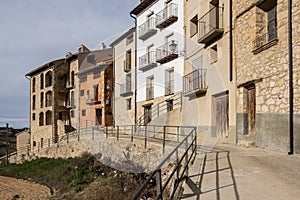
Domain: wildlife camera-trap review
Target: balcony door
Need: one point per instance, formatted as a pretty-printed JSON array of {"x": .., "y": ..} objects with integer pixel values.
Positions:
[{"x": 169, "y": 85}]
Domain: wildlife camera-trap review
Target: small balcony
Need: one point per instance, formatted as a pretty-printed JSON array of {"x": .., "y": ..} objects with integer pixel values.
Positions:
[
  {"x": 167, "y": 16},
  {"x": 149, "y": 93},
  {"x": 194, "y": 83},
  {"x": 264, "y": 41},
  {"x": 147, "y": 61},
  {"x": 147, "y": 29},
  {"x": 167, "y": 52},
  {"x": 125, "y": 89},
  {"x": 211, "y": 26},
  {"x": 169, "y": 87}
]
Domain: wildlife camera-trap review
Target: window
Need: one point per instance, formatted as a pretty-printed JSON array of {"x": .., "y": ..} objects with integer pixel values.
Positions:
[
  {"x": 214, "y": 53},
  {"x": 194, "y": 26},
  {"x": 72, "y": 77},
  {"x": 72, "y": 98},
  {"x": 272, "y": 24},
  {"x": 60, "y": 116},
  {"x": 48, "y": 79},
  {"x": 83, "y": 112},
  {"x": 83, "y": 79},
  {"x": 48, "y": 98},
  {"x": 48, "y": 117},
  {"x": 87, "y": 92},
  {"x": 129, "y": 39},
  {"x": 33, "y": 85},
  {"x": 169, "y": 84},
  {"x": 42, "y": 81},
  {"x": 33, "y": 102},
  {"x": 150, "y": 88},
  {"x": 42, "y": 100},
  {"x": 127, "y": 66},
  {"x": 81, "y": 92},
  {"x": 41, "y": 119},
  {"x": 33, "y": 116},
  {"x": 72, "y": 114},
  {"x": 128, "y": 104},
  {"x": 95, "y": 92},
  {"x": 169, "y": 105},
  {"x": 34, "y": 143},
  {"x": 96, "y": 74}
]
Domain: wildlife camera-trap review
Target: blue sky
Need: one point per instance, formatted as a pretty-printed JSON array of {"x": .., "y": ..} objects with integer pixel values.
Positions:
[{"x": 34, "y": 32}]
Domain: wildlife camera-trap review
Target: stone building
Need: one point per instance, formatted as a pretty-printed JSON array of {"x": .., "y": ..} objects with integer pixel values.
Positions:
[
  {"x": 262, "y": 65},
  {"x": 124, "y": 76},
  {"x": 95, "y": 89},
  {"x": 23, "y": 142},
  {"x": 208, "y": 82},
  {"x": 160, "y": 62},
  {"x": 49, "y": 116}
]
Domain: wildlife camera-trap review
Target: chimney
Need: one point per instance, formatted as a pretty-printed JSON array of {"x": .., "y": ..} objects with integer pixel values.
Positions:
[
  {"x": 102, "y": 46},
  {"x": 81, "y": 48}
]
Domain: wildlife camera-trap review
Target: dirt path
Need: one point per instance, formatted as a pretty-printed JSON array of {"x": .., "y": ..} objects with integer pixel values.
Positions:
[{"x": 11, "y": 188}]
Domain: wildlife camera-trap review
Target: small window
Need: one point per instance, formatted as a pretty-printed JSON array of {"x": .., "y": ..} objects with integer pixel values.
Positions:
[
  {"x": 83, "y": 112},
  {"x": 60, "y": 116},
  {"x": 48, "y": 79},
  {"x": 88, "y": 92},
  {"x": 96, "y": 74},
  {"x": 214, "y": 54},
  {"x": 33, "y": 116},
  {"x": 128, "y": 104},
  {"x": 83, "y": 79},
  {"x": 127, "y": 64},
  {"x": 81, "y": 92},
  {"x": 48, "y": 117},
  {"x": 42, "y": 100},
  {"x": 194, "y": 26},
  {"x": 34, "y": 143},
  {"x": 72, "y": 114},
  {"x": 129, "y": 39},
  {"x": 33, "y": 85},
  {"x": 41, "y": 119},
  {"x": 42, "y": 81},
  {"x": 33, "y": 102}
]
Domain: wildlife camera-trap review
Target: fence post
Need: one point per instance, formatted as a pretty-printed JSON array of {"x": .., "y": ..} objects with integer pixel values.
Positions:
[
  {"x": 164, "y": 139},
  {"x": 117, "y": 132},
  {"x": 133, "y": 126},
  {"x": 159, "y": 184},
  {"x": 145, "y": 137},
  {"x": 177, "y": 133},
  {"x": 93, "y": 133},
  {"x": 106, "y": 128}
]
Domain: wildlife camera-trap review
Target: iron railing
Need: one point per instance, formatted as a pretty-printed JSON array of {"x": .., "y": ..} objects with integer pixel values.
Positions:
[
  {"x": 170, "y": 11},
  {"x": 210, "y": 21},
  {"x": 264, "y": 39},
  {"x": 147, "y": 28},
  {"x": 161, "y": 108},
  {"x": 194, "y": 81},
  {"x": 167, "y": 49},
  {"x": 125, "y": 88},
  {"x": 146, "y": 60}
]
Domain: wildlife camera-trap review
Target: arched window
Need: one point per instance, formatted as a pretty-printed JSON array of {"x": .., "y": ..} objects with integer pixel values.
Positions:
[
  {"x": 41, "y": 119},
  {"x": 33, "y": 102},
  {"x": 48, "y": 98},
  {"x": 48, "y": 117},
  {"x": 72, "y": 98},
  {"x": 33, "y": 116},
  {"x": 49, "y": 79},
  {"x": 33, "y": 85},
  {"x": 42, "y": 99},
  {"x": 42, "y": 81}
]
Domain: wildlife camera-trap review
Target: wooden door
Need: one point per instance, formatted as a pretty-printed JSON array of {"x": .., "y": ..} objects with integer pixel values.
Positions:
[
  {"x": 222, "y": 119},
  {"x": 251, "y": 108}
]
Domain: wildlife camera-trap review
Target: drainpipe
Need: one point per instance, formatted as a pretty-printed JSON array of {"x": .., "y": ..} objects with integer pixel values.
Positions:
[
  {"x": 230, "y": 41},
  {"x": 114, "y": 88},
  {"x": 291, "y": 90},
  {"x": 135, "y": 69}
]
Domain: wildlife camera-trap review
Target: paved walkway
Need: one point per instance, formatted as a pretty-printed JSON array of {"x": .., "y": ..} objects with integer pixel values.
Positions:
[{"x": 239, "y": 173}]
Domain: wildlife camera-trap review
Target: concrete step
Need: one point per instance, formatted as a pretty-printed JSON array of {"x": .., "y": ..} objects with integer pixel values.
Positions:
[{"x": 247, "y": 143}]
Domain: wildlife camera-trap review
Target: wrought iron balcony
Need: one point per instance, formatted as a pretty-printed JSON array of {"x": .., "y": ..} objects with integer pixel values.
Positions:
[
  {"x": 169, "y": 87},
  {"x": 125, "y": 89},
  {"x": 194, "y": 83},
  {"x": 211, "y": 25},
  {"x": 147, "y": 29},
  {"x": 264, "y": 41},
  {"x": 149, "y": 93},
  {"x": 167, "y": 52},
  {"x": 147, "y": 61},
  {"x": 167, "y": 16}
]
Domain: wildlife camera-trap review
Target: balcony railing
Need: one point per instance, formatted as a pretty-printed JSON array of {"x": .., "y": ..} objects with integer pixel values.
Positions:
[
  {"x": 147, "y": 29},
  {"x": 264, "y": 41},
  {"x": 147, "y": 61},
  {"x": 169, "y": 87},
  {"x": 167, "y": 16},
  {"x": 211, "y": 25},
  {"x": 149, "y": 93},
  {"x": 194, "y": 83},
  {"x": 125, "y": 89},
  {"x": 167, "y": 52}
]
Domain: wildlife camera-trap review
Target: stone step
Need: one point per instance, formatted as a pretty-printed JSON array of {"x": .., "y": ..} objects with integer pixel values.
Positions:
[{"x": 244, "y": 143}]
